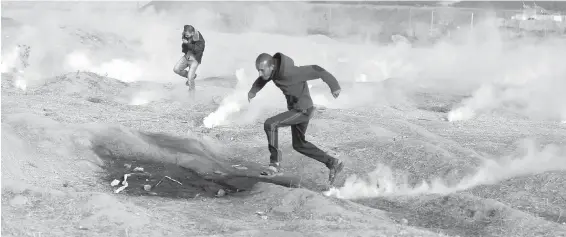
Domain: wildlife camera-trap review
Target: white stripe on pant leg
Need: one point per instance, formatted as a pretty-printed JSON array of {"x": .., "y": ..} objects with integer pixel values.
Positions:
[
  {"x": 273, "y": 127},
  {"x": 290, "y": 118}
]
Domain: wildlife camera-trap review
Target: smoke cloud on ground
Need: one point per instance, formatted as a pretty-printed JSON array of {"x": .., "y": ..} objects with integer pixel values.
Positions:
[
  {"x": 530, "y": 158},
  {"x": 499, "y": 73}
]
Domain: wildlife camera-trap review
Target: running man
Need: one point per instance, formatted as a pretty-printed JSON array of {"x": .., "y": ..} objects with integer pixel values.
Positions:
[
  {"x": 292, "y": 80},
  {"x": 193, "y": 47}
]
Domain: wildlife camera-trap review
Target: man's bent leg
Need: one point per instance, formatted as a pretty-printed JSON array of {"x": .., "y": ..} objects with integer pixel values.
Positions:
[
  {"x": 271, "y": 126},
  {"x": 193, "y": 65},
  {"x": 301, "y": 145},
  {"x": 180, "y": 67}
]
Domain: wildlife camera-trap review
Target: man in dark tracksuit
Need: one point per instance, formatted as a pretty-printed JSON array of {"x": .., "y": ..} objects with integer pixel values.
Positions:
[
  {"x": 292, "y": 80},
  {"x": 193, "y": 47}
]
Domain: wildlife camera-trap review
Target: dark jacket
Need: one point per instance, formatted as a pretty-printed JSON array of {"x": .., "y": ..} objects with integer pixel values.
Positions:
[
  {"x": 196, "y": 46},
  {"x": 292, "y": 80}
]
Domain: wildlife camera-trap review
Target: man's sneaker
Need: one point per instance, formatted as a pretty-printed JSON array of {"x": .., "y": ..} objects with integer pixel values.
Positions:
[
  {"x": 335, "y": 169},
  {"x": 272, "y": 170}
]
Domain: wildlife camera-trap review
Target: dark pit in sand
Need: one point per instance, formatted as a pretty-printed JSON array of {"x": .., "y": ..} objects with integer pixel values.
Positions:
[{"x": 173, "y": 167}]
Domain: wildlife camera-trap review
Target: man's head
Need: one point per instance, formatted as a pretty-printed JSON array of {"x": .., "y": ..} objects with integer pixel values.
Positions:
[
  {"x": 188, "y": 31},
  {"x": 265, "y": 65}
]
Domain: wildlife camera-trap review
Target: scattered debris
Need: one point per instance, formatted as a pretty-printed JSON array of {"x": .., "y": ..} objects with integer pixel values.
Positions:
[
  {"x": 221, "y": 193},
  {"x": 94, "y": 100},
  {"x": 124, "y": 183},
  {"x": 161, "y": 180},
  {"x": 147, "y": 187},
  {"x": 115, "y": 182},
  {"x": 128, "y": 166},
  {"x": 240, "y": 167},
  {"x": 120, "y": 189},
  {"x": 82, "y": 228},
  {"x": 173, "y": 180},
  {"x": 219, "y": 172},
  {"x": 158, "y": 183}
]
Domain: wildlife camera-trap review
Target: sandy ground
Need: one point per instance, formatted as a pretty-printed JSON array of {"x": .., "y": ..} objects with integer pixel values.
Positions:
[{"x": 409, "y": 172}]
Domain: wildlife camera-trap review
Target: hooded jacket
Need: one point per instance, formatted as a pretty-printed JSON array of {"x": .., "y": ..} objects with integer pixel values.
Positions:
[
  {"x": 195, "y": 46},
  {"x": 292, "y": 80}
]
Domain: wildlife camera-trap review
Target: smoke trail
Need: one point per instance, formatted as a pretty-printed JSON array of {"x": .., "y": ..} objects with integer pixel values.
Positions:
[
  {"x": 229, "y": 105},
  {"x": 15, "y": 63},
  {"x": 109, "y": 40},
  {"x": 529, "y": 159},
  {"x": 528, "y": 86},
  {"x": 116, "y": 68}
]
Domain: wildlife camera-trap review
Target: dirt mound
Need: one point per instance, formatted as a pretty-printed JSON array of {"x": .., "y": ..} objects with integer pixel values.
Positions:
[
  {"x": 46, "y": 153},
  {"x": 542, "y": 195},
  {"x": 328, "y": 215},
  {"x": 465, "y": 215},
  {"x": 69, "y": 213},
  {"x": 82, "y": 84}
]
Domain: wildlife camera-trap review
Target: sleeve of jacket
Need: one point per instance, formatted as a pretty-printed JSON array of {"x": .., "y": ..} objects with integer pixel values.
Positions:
[
  {"x": 258, "y": 85},
  {"x": 184, "y": 48},
  {"x": 312, "y": 72},
  {"x": 197, "y": 47}
]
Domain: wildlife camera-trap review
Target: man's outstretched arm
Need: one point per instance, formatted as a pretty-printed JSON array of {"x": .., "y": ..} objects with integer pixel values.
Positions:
[
  {"x": 258, "y": 84},
  {"x": 312, "y": 72}
]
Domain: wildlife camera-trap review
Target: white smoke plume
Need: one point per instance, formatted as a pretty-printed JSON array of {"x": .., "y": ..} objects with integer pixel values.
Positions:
[
  {"x": 531, "y": 158},
  {"x": 15, "y": 62},
  {"x": 230, "y": 104},
  {"x": 529, "y": 86},
  {"x": 116, "y": 68},
  {"x": 520, "y": 75}
]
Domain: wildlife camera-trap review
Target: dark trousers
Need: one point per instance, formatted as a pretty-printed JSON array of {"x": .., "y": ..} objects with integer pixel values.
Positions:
[{"x": 298, "y": 121}]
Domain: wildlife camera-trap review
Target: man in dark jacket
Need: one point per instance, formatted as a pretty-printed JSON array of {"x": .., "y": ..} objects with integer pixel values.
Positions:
[
  {"x": 193, "y": 48},
  {"x": 292, "y": 80}
]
